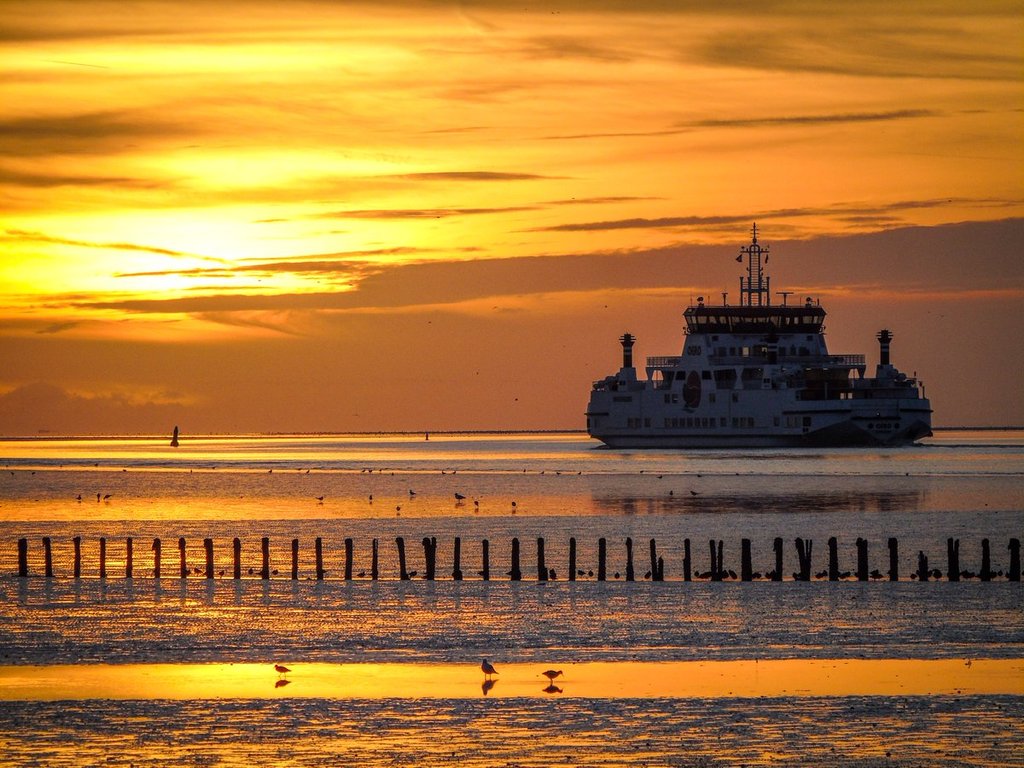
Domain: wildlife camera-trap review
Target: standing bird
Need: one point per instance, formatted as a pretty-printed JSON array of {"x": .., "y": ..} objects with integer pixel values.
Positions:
[
  {"x": 487, "y": 668},
  {"x": 281, "y": 669},
  {"x": 552, "y": 674}
]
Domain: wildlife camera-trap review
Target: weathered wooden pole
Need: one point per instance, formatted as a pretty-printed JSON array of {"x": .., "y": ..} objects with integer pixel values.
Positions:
[
  {"x": 78, "y": 556},
  {"x": 430, "y": 556},
  {"x": 48, "y": 557},
  {"x": 894, "y": 559},
  {"x": 630, "y": 575},
  {"x": 403, "y": 574},
  {"x": 777, "y": 545},
  {"x": 208, "y": 546},
  {"x": 862, "y": 559},
  {"x": 295, "y": 559},
  {"x": 746, "y": 568},
  {"x": 374, "y": 562},
  {"x": 128, "y": 565},
  {"x": 654, "y": 560},
  {"x": 953, "y": 559},
  {"x": 236, "y": 554},
  {"x": 986, "y": 562},
  {"x": 922, "y": 566},
  {"x": 265, "y": 569},
  {"x": 181, "y": 557},
  {"x": 833, "y": 559},
  {"x": 661, "y": 568},
  {"x": 23, "y": 558},
  {"x": 716, "y": 573},
  {"x": 457, "y": 559},
  {"x": 103, "y": 557},
  {"x": 542, "y": 569},
  {"x": 1014, "y": 547},
  {"x": 572, "y": 558},
  {"x": 803, "y": 550},
  {"x": 156, "y": 558},
  {"x": 319, "y": 549},
  {"x": 349, "y": 552},
  {"x": 687, "y": 561},
  {"x": 602, "y": 559},
  {"x": 485, "y": 569},
  {"x": 516, "y": 574}
]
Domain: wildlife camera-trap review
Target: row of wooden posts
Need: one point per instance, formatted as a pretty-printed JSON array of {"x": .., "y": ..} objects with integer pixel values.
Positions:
[{"x": 718, "y": 571}]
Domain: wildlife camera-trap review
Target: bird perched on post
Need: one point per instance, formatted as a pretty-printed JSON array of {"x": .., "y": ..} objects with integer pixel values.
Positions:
[{"x": 487, "y": 668}]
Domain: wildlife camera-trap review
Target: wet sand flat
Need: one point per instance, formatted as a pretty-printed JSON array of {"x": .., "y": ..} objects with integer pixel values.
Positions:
[{"x": 594, "y": 680}]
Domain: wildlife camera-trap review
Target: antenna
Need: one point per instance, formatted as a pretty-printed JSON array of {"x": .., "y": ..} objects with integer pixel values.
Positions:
[{"x": 754, "y": 287}]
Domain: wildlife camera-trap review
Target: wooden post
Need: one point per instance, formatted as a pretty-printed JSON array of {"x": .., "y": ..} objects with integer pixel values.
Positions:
[
  {"x": 1014, "y": 547},
  {"x": 349, "y": 548},
  {"x": 208, "y": 546},
  {"x": 265, "y": 569},
  {"x": 128, "y": 565},
  {"x": 457, "y": 560},
  {"x": 516, "y": 574},
  {"x": 78, "y": 556},
  {"x": 777, "y": 544},
  {"x": 572, "y": 558},
  {"x": 430, "y": 556},
  {"x": 602, "y": 559},
  {"x": 986, "y": 562},
  {"x": 542, "y": 569},
  {"x": 661, "y": 569},
  {"x": 156, "y": 558},
  {"x": 236, "y": 547},
  {"x": 403, "y": 574},
  {"x": 295, "y": 559},
  {"x": 654, "y": 560},
  {"x": 803, "y": 550},
  {"x": 48, "y": 557},
  {"x": 716, "y": 574},
  {"x": 953, "y": 559},
  {"x": 630, "y": 575},
  {"x": 687, "y": 562},
  {"x": 181, "y": 557},
  {"x": 485, "y": 571},
  {"x": 103, "y": 557},
  {"x": 894, "y": 559},
  {"x": 862, "y": 559},
  {"x": 833, "y": 558},
  {"x": 374, "y": 562},
  {"x": 746, "y": 568},
  {"x": 922, "y": 566},
  {"x": 23, "y": 558},
  {"x": 318, "y": 546}
]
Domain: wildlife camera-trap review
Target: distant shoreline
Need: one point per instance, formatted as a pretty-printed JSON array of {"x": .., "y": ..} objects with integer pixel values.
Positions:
[{"x": 384, "y": 433}]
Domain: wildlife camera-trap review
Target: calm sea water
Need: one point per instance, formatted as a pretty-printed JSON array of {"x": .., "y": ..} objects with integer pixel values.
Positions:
[{"x": 967, "y": 485}]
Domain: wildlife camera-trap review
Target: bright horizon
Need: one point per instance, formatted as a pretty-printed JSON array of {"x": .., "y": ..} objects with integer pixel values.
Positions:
[{"x": 415, "y": 216}]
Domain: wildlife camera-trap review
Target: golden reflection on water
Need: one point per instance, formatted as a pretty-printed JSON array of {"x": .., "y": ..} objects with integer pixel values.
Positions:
[{"x": 604, "y": 680}]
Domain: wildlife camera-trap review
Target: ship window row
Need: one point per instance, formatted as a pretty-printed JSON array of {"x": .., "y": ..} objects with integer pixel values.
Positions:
[
  {"x": 798, "y": 421},
  {"x": 761, "y": 350},
  {"x": 632, "y": 423},
  {"x": 694, "y": 422}
]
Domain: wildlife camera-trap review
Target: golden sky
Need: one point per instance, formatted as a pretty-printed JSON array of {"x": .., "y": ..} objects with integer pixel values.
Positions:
[{"x": 312, "y": 216}]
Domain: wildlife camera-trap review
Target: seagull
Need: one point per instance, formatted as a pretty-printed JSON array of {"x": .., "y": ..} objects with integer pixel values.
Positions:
[
  {"x": 487, "y": 668},
  {"x": 551, "y": 674},
  {"x": 459, "y": 497},
  {"x": 320, "y": 499},
  {"x": 281, "y": 669}
]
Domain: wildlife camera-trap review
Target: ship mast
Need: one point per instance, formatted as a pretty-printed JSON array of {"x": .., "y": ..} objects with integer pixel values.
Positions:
[{"x": 754, "y": 288}]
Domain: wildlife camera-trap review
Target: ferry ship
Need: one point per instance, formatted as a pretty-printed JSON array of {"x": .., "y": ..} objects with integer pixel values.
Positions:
[{"x": 757, "y": 374}]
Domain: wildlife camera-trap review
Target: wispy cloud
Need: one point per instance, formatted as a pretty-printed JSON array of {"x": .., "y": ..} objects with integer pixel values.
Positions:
[
  {"x": 417, "y": 213},
  {"x": 39, "y": 237}
]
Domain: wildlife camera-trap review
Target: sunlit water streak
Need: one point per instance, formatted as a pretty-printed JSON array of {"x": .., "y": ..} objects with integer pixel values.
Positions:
[{"x": 968, "y": 485}]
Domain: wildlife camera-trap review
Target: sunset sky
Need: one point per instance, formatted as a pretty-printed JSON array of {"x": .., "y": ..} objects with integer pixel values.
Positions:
[{"x": 331, "y": 216}]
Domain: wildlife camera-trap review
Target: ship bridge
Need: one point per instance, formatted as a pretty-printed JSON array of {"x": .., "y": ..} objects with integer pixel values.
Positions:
[{"x": 808, "y": 318}]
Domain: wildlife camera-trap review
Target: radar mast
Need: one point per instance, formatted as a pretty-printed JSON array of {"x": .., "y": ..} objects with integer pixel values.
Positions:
[{"x": 754, "y": 288}]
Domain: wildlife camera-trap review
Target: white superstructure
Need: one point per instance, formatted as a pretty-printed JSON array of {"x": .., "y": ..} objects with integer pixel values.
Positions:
[{"x": 757, "y": 374}]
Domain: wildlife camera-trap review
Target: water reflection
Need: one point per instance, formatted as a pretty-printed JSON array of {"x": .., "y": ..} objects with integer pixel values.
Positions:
[{"x": 487, "y": 685}]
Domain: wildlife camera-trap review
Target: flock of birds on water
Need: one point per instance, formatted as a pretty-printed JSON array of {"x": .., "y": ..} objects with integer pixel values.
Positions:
[{"x": 485, "y": 666}]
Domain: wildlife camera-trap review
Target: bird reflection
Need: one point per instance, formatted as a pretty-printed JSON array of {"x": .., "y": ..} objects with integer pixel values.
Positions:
[
  {"x": 487, "y": 685},
  {"x": 282, "y": 683},
  {"x": 552, "y": 688}
]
